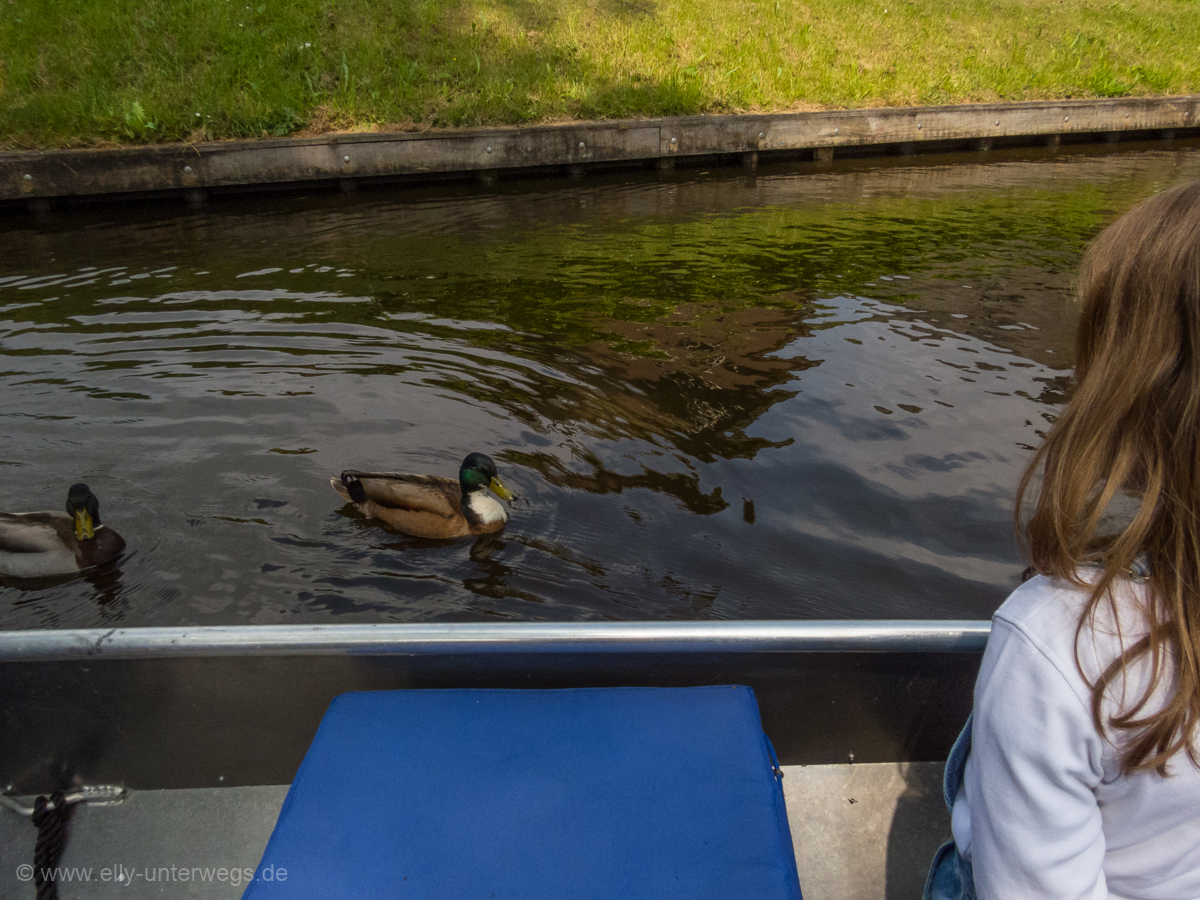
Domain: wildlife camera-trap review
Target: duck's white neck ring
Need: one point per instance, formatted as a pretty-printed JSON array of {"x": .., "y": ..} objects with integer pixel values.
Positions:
[{"x": 482, "y": 508}]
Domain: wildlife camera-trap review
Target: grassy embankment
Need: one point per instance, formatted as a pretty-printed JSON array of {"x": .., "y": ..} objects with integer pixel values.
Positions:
[{"x": 90, "y": 72}]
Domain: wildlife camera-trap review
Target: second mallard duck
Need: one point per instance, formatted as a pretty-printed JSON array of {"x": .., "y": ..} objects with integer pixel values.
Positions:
[{"x": 431, "y": 506}]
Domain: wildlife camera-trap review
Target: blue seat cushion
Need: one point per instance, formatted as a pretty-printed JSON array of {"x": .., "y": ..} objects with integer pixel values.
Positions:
[{"x": 606, "y": 793}]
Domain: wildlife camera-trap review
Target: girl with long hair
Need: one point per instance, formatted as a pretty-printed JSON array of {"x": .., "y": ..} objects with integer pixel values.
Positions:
[{"x": 1079, "y": 775}]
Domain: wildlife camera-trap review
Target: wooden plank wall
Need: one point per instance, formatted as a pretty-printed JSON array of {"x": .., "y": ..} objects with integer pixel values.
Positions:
[{"x": 345, "y": 159}]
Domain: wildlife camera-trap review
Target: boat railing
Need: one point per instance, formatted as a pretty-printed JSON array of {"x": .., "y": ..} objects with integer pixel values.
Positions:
[{"x": 384, "y": 639}]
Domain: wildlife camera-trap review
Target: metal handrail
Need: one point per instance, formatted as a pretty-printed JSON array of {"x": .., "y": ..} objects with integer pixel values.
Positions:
[{"x": 388, "y": 639}]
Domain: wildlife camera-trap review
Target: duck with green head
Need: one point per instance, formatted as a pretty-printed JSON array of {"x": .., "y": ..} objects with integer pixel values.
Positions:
[
  {"x": 431, "y": 506},
  {"x": 40, "y": 544}
]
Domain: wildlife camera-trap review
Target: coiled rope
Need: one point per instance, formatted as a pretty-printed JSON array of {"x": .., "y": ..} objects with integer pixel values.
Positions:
[{"x": 50, "y": 816}]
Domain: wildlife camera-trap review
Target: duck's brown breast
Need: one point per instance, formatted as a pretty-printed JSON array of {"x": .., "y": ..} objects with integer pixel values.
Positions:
[{"x": 105, "y": 546}]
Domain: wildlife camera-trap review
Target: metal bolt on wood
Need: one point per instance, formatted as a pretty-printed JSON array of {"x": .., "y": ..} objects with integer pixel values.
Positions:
[
  {"x": 187, "y": 170},
  {"x": 28, "y": 177},
  {"x": 345, "y": 159}
]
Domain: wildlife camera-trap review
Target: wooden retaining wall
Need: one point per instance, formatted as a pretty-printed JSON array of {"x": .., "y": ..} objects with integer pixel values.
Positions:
[{"x": 345, "y": 160}]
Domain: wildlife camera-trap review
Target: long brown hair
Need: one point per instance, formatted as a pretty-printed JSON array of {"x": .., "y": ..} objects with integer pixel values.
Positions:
[{"x": 1133, "y": 426}]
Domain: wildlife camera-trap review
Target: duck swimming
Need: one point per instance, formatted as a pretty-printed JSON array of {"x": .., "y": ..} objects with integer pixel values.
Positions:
[
  {"x": 38, "y": 544},
  {"x": 431, "y": 506}
]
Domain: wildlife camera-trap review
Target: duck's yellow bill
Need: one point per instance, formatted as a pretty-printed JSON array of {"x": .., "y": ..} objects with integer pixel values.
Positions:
[
  {"x": 500, "y": 490},
  {"x": 84, "y": 530}
]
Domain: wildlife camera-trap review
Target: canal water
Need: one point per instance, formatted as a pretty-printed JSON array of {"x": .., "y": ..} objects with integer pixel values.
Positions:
[{"x": 806, "y": 393}]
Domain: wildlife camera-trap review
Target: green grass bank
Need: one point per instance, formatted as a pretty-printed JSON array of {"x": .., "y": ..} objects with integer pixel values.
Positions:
[{"x": 79, "y": 73}]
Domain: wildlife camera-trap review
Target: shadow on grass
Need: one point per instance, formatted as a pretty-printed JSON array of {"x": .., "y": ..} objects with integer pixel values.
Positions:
[
  {"x": 158, "y": 74},
  {"x": 529, "y": 77}
]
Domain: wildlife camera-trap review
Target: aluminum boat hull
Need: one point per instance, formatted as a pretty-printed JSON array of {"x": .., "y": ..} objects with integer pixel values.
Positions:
[{"x": 172, "y": 708}]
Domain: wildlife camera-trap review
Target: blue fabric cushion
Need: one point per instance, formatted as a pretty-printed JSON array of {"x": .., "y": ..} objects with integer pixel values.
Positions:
[{"x": 609, "y": 793}]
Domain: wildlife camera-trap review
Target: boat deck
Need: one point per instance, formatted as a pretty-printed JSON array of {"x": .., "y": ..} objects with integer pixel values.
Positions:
[
  {"x": 860, "y": 832},
  {"x": 187, "y": 716}
]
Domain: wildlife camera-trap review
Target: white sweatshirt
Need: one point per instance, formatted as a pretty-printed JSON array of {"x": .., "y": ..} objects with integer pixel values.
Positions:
[{"x": 1044, "y": 811}]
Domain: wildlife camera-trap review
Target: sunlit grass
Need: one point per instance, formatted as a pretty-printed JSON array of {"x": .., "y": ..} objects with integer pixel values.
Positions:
[{"x": 80, "y": 72}]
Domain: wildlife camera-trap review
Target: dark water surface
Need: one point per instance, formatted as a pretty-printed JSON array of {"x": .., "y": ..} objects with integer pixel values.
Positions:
[{"x": 806, "y": 394}]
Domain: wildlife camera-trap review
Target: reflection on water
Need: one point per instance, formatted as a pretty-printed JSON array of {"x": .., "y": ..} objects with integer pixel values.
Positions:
[{"x": 802, "y": 394}]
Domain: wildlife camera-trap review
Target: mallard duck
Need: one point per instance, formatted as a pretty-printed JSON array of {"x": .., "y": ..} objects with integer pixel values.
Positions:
[
  {"x": 37, "y": 544},
  {"x": 431, "y": 506}
]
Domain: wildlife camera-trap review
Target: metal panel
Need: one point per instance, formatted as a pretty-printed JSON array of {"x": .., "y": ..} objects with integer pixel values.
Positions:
[{"x": 178, "y": 708}]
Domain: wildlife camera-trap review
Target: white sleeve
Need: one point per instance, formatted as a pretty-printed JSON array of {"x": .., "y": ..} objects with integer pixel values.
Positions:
[{"x": 1036, "y": 758}]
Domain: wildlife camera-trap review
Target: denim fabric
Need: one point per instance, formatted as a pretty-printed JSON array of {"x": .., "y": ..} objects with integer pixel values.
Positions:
[
  {"x": 950, "y": 876},
  {"x": 956, "y": 763}
]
